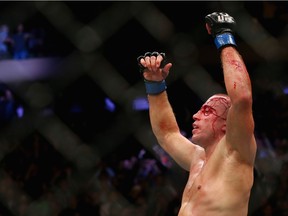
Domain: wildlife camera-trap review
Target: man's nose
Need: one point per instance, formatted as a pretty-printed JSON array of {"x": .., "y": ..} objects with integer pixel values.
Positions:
[{"x": 196, "y": 115}]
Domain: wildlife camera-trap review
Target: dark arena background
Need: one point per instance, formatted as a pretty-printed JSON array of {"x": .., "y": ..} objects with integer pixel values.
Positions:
[{"x": 75, "y": 135}]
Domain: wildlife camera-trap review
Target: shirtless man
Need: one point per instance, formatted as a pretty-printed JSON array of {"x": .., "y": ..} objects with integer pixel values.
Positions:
[{"x": 220, "y": 156}]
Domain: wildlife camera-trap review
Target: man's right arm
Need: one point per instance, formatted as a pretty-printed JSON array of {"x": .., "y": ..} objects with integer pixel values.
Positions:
[
  {"x": 162, "y": 118},
  {"x": 167, "y": 132}
]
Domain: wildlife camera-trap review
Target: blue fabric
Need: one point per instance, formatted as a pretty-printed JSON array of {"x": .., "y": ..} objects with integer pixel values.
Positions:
[
  {"x": 224, "y": 39},
  {"x": 155, "y": 87}
]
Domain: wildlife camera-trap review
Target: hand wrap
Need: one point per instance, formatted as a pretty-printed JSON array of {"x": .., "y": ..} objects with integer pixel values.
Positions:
[{"x": 153, "y": 87}]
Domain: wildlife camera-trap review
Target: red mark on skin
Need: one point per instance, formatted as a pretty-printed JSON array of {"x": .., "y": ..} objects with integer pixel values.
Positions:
[
  {"x": 216, "y": 102},
  {"x": 166, "y": 126},
  {"x": 234, "y": 85},
  {"x": 236, "y": 63}
]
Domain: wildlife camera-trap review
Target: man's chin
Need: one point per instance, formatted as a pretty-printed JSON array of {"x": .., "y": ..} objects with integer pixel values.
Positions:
[{"x": 194, "y": 139}]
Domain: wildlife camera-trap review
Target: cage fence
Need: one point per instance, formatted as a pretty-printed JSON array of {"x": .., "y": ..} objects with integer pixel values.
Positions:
[{"x": 75, "y": 131}]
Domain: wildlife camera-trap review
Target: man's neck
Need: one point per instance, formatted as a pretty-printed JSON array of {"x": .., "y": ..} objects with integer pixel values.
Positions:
[{"x": 209, "y": 149}]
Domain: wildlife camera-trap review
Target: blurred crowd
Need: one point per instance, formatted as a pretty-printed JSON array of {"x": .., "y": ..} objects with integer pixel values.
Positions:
[
  {"x": 37, "y": 180},
  {"x": 20, "y": 43},
  {"x": 271, "y": 185}
]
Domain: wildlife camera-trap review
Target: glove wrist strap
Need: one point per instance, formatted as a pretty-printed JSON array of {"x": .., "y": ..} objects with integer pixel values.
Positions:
[
  {"x": 224, "y": 40},
  {"x": 154, "y": 87}
]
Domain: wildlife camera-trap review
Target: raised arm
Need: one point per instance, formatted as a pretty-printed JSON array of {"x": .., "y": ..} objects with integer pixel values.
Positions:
[
  {"x": 162, "y": 118},
  {"x": 240, "y": 123}
]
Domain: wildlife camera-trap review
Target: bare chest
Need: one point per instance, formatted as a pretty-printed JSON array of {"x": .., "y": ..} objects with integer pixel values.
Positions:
[{"x": 215, "y": 186}]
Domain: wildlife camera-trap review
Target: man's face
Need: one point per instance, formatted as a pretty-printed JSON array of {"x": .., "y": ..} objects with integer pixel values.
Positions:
[{"x": 210, "y": 121}]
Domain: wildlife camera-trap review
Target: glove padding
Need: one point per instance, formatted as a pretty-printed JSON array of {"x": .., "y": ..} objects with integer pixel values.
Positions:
[
  {"x": 220, "y": 23},
  {"x": 153, "y": 87},
  {"x": 142, "y": 68}
]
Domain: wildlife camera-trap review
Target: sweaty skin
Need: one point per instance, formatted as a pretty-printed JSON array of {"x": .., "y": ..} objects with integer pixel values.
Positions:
[{"x": 220, "y": 155}]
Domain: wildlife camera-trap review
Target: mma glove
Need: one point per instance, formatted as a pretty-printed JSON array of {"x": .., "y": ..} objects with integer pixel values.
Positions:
[
  {"x": 222, "y": 27},
  {"x": 153, "y": 87}
]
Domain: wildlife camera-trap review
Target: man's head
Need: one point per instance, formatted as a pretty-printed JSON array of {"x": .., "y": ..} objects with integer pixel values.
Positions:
[{"x": 210, "y": 121}]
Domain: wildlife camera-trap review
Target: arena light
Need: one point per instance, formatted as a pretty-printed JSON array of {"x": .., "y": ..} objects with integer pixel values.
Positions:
[
  {"x": 140, "y": 103},
  {"x": 285, "y": 90},
  {"x": 109, "y": 105}
]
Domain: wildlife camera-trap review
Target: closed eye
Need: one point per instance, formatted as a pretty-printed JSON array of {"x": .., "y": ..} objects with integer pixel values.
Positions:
[{"x": 207, "y": 110}]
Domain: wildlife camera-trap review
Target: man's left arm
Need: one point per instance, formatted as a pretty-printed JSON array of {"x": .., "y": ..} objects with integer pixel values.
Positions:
[{"x": 240, "y": 122}]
